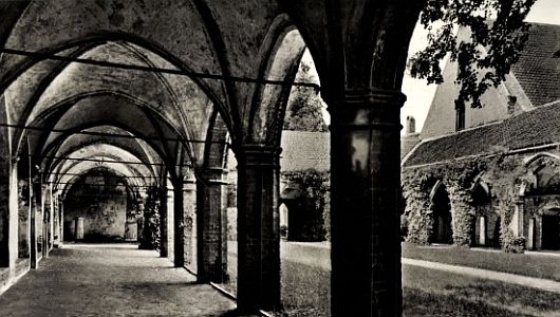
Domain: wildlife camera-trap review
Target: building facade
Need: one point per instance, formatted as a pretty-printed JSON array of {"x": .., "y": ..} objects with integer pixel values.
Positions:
[{"x": 489, "y": 176}]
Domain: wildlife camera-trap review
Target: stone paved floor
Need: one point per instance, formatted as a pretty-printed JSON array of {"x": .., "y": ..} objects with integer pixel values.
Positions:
[{"x": 110, "y": 280}]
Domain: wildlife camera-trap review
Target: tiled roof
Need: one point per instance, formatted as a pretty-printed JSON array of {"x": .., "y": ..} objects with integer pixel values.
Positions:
[
  {"x": 305, "y": 150},
  {"x": 539, "y": 126},
  {"x": 537, "y": 70},
  {"x": 300, "y": 151},
  {"x": 534, "y": 80}
]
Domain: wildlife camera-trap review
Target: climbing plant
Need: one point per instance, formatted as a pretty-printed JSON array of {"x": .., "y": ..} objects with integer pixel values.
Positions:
[
  {"x": 495, "y": 32},
  {"x": 151, "y": 232},
  {"x": 309, "y": 207},
  {"x": 304, "y": 109},
  {"x": 506, "y": 173}
]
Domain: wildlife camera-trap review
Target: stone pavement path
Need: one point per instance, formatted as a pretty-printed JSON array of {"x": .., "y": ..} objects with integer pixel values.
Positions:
[
  {"x": 110, "y": 280},
  {"x": 533, "y": 282}
]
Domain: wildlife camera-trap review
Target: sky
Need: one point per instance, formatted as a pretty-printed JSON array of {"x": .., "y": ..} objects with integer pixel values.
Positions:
[{"x": 419, "y": 94}]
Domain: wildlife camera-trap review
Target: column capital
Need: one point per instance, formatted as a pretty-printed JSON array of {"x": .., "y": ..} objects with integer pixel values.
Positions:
[
  {"x": 367, "y": 109},
  {"x": 213, "y": 175},
  {"x": 373, "y": 96},
  {"x": 189, "y": 184},
  {"x": 259, "y": 156}
]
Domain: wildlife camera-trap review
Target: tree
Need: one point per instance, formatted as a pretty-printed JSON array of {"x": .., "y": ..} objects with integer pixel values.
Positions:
[
  {"x": 497, "y": 34},
  {"x": 304, "y": 106}
]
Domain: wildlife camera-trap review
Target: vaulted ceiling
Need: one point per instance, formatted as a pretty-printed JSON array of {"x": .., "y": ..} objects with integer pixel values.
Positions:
[{"x": 143, "y": 88}]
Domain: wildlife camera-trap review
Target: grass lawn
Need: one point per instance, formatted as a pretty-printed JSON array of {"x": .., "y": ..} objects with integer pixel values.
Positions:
[
  {"x": 541, "y": 266},
  {"x": 306, "y": 293}
]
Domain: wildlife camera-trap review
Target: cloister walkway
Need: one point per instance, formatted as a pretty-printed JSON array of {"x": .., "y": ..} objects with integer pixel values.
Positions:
[{"x": 110, "y": 280}]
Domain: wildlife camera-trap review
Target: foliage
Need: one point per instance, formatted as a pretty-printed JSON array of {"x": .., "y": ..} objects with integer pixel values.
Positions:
[
  {"x": 513, "y": 244},
  {"x": 308, "y": 216},
  {"x": 303, "y": 112},
  {"x": 151, "y": 234},
  {"x": 496, "y": 33},
  {"x": 505, "y": 173},
  {"x": 417, "y": 185}
]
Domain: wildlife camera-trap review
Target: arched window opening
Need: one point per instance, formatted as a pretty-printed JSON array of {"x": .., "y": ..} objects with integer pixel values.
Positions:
[
  {"x": 482, "y": 223},
  {"x": 547, "y": 179},
  {"x": 441, "y": 211}
]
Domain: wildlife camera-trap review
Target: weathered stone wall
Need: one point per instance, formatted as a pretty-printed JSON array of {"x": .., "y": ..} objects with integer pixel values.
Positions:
[
  {"x": 511, "y": 179},
  {"x": 102, "y": 203}
]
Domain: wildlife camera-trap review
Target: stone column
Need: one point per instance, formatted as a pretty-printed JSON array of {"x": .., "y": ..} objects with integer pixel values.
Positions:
[
  {"x": 482, "y": 231},
  {"x": 212, "y": 224},
  {"x": 46, "y": 209},
  {"x": 179, "y": 223},
  {"x": 9, "y": 211},
  {"x": 4, "y": 207},
  {"x": 13, "y": 220},
  {"x": 365, "y": 188},
  {"x": 37, "y": 229},
  {"x": 140, "y": 221},
  {"x": 190, "y": 234},
  {"x": 35, "y": 195},
  {"x": 163, "y": 221},
  {"x": 7, "y": 169},
  {"x": 258, "y": 285},
  {"x": 514, "y": 224},
  {"x": 521, "y": 217},
  {"x": 171, "y": 224},
  {"x": 60, "y": 223},
  {"x": 51, "y": 217},
  {"x": 531, "y": 235}
]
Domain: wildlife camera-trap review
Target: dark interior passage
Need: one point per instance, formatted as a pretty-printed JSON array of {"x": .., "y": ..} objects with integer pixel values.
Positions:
[
  {"x": 551, "y": 232},
  {"x": 442, "y": 230}
]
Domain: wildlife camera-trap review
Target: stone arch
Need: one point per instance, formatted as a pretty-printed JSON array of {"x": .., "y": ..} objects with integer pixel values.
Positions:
[
  {"x": 269, "y": 101},
  {"x": 98, "y": 38},
  {"x": 217, "y": 140},
  {"x": 52, "y": 117},
  {"x": 134, "y": 179},
  {"x": 442, "y": 231},
  {"x": 160, "y": 138},
  {"x": 539, "y": 156},
  {"x": 102, "y": 153},
  {"x": 8, "y": 191},
  {"x": 69, "y": 143},
  {"x": 486, "y": 217}
]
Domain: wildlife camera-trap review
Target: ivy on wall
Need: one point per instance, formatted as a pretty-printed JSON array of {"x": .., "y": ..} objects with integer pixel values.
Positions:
[
  {"x": 505, "y": 173},
  {"x": 309, "y": 219},
  {"x": 151, "y": 230}
]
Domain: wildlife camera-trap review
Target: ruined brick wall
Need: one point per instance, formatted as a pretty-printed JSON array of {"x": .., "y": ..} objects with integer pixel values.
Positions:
[{"x": 103, "y": 203}]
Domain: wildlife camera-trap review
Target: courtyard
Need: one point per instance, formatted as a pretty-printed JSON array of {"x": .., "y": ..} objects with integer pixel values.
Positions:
[
  {"x": 437, "y": 281},
  {"x": 120, "y": 280}
]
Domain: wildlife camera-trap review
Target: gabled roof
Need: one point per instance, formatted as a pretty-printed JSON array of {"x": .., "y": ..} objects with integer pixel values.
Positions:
[
  {"x": 305, "y": 150},
  {"x": 540, "y": 126},
  {"x": 534, "y": 80}
]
